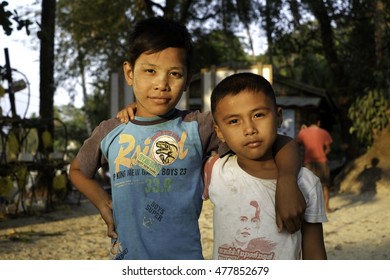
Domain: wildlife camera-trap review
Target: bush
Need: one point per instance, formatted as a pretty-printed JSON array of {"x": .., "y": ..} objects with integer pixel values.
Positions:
[{"x": 368, "y": 115}]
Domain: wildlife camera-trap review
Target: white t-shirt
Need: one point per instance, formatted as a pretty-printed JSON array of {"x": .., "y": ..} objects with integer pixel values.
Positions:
[{"x": 244, "y": 213}]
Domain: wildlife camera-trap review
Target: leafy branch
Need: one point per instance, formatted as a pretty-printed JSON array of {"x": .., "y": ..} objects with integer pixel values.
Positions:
[{"x": 368, "y": 114}]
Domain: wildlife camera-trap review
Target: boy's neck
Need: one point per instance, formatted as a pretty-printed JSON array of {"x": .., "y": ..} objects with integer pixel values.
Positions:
[
  {"x": 263, "y": 169},
  {"x": 165, "y": 116},
  {"x": 315, "y": 124}
]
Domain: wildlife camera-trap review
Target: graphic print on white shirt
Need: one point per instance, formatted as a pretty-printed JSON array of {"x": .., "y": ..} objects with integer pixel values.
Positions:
[
  {"x": 246, "y": 242},
  {"x": 244, "y": 212}
]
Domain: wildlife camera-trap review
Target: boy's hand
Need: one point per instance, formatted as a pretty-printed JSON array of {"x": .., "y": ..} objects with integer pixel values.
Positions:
[
  {"x": 127, "y": 113},
  {"x": 290, "y": 205},
  {"x": 108, "y": 218}
]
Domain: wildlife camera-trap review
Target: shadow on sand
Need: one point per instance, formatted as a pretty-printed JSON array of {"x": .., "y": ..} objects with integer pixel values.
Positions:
[{"x": 61, "y": 212}]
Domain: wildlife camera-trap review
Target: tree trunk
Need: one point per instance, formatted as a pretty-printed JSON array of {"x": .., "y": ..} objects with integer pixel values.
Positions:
[
  {"x": 318, "y": 8},
  {"x": 381, "y": 50},
  {"x": 268, "y": 29},
  {"x": 47, "y": 88},
  {"x": 80, "y": 58}
]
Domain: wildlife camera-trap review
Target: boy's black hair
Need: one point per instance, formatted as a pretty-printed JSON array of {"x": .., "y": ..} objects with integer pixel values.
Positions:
[
  {"x": 156, "y": 34},
  {"x": 236, "y": 83},
  {"x": 314, "y": 118}
]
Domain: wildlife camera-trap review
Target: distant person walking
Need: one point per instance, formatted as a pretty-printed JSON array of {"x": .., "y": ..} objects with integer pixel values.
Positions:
[{"x": 316, "y": 141}]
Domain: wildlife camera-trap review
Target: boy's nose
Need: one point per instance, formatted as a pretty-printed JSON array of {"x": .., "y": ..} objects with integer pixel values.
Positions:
[
  {"x": 161, "y": 82},
  {"x": 250, "y": 129}
]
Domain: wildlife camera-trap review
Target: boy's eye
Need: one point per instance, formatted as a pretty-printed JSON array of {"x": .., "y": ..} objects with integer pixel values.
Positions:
[
  {"x": 177, "y": 74},
  {"x": 150, "y": 71},
  {"x": 259, "y": 115},
  {"x": 233, "y": 121}
]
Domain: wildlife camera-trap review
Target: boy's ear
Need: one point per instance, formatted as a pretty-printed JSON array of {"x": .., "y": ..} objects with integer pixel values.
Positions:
[
  {"x": 128, "y": 72},
  {"x": 219, "y": 133},
  {"x": 279, "y": 115}
]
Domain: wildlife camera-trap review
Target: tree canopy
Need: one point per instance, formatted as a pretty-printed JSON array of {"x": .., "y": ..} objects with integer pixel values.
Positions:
[{"x": 341, "y": 46}]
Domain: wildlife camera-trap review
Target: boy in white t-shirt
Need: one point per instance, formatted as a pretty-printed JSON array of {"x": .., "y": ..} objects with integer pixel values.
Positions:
[{"x": 242, "y": 185}]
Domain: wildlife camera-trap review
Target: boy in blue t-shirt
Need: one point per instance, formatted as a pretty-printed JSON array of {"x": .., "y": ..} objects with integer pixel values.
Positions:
[{"x": 156, "y": 159}]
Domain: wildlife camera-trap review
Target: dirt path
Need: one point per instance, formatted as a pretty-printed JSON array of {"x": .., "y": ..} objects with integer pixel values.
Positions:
[{"x": 359, "y": 229}]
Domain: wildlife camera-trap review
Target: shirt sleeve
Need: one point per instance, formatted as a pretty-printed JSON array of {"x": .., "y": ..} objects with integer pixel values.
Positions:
[
  {"x": 209, "y": 138},
  {"x": 207, "y": 173},
  {"x": 90, "y": 157},
  {"x": 311, "y": 188},
  {"x": 328, "y": 138}
]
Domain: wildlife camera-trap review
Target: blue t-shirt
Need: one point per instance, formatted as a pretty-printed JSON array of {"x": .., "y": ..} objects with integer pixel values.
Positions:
[{"x": 155, "y": 166}]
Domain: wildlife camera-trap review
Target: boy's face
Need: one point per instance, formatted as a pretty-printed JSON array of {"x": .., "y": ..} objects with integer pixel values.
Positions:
[
  {"x": 248, "y": 123},
  {"x": 158, "y": 81}
]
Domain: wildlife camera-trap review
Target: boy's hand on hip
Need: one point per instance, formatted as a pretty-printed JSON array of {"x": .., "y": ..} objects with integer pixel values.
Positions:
[{"x": 108, "y": 218}]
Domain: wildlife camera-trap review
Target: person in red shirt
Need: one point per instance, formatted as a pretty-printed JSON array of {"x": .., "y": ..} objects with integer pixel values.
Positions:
[{"x": 316, "y": 141}]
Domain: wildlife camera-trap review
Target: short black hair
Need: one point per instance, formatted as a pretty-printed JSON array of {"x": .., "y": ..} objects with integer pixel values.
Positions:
[
  {"x": 156, "y": 34},
  {"x": 314, "y": 118},
  {"x": 236, "y": 83}
]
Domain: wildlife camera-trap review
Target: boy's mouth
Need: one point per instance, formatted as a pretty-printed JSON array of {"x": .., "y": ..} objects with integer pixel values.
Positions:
[
  {"x": 253, "y": 144},
  {"x": 160, "y": 100}
]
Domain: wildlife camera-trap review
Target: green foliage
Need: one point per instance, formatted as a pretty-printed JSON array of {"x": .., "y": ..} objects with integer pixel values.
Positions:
[
  {"x": 368, "y": 114},
  {"x": 340, "y": 46},
  {"x": 298, "y": 55},
  {"x": 216, "y": 48},
  {"x": 7, "y": 24},
  {"x": 90, "y": 36},
  {"x": 74, "y": 119},
  {"x": 95, "y": 107}
]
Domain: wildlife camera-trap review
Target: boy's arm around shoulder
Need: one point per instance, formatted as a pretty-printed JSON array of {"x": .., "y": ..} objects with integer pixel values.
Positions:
[
  {"x": 95, "y": 193},
  {"x": 127, "y": 113},
  {"x": 289, "y": 201}
]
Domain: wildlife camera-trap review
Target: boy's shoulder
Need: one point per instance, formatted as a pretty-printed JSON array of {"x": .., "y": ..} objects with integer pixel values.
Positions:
[
  {"x": 190, "y": 115},
  {"x": 311, "y": 188},
  {"x": 102, "y": 130},
  {"x": 308, "y": 182},
  {"x": 106, "y": 126},
  {"x": 110, "y": 123},
  {"x": 307, "y": 177}
]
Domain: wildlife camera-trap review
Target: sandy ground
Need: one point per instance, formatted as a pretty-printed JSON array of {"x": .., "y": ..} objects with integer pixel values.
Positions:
[{"x": 358, "y": 230}]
